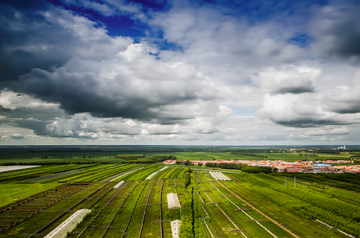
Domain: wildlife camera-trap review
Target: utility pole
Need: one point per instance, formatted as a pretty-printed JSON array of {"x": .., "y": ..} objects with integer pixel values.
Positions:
[
  {"x": 285, "y": 182},
  {"x": 294, "y": 181},
  {"x": 308, "y": 155}
]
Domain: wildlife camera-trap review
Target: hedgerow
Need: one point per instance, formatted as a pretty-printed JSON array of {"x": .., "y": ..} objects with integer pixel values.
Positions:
[
  {"x": 187, "y": 215},
  {"x": 187, "y": 178}
]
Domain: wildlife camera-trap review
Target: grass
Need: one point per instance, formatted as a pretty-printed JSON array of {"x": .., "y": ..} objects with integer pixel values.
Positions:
[
  {"x": 239, "y": 218},
  {"x": 34, "y": 157},
  {"x": 92, "y": 171},
  {"x": 277, "y": 213},
  {"x": 42, "y": 218},
  {"x": 293, "y": 222},
  {"x": 14, "y": 192},
  {"x": 295, "y": 156},
  {"x": 136, "y": 192},
  {"x": 106, "y": 215},
  {"x": 209, "y": 156},
  {"x": 143, "y": 173},
  {"x": 136, "y": 221},
  {"x": 109, "y": 157}
]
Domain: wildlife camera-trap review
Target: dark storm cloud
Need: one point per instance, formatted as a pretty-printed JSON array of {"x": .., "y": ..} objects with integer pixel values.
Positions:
[
  {"x": 19, "y": 20},
  {"x": 287, "y": 80},
  {"x": 57, "y": 56},
  {"x": 336, "y": 29},
  {"x": 125, "y": 97},
  {"x": 83, "y": 82},
  {"x": 45, "y": 120},
  {"x": 35, "y": 34},
  {"x": 343, "y": 101},
  {"x": 294, "y": 90},
  {"x": 347, "y": 107},
  {"x": 4, "y": 110},
  {"x": 34, "y": 119},
  {"x": 328, "y": 130},
  {"x": 301, "y": 111},
  {"x": 307, "y": 122}
]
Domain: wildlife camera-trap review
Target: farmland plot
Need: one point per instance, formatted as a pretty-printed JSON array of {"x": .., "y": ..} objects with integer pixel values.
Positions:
[
  {"x": 278, "y": 213},
  {"x": 30, "y": 173},
  {"x": 249, "y": 205},
  {"x": 100, "y": 209},
  {"x": 151, "y": 224},
  {"x": 26, "y": 208},
  {"x": 225, "y": 195}
]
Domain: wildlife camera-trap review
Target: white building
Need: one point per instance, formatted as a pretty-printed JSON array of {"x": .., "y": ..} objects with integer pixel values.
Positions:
[
  {"x": 68, "y": 225},
  {"x": 173, "y": 201},
  {"x": 175, "y": 228}
]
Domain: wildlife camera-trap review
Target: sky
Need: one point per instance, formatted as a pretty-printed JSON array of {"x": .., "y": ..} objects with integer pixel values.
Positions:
[{"x": 178, "y": 72}]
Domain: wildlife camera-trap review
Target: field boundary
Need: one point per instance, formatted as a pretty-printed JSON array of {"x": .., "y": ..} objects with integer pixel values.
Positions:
[{"x": 287, "y": 230}]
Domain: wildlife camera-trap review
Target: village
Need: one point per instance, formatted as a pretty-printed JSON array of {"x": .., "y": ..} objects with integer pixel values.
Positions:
[{"x": 325, "y": 166}]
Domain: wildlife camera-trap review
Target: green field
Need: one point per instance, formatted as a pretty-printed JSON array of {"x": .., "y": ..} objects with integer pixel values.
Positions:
[
  {"x": 117, "y": 157},
  {"x": 110, "y": 157},
  {"x": 252, "y": 205},
  {"x": 54, "y": 157},
  {"x": 14, "y": 192},
  {"x": 295, "y": 156}
]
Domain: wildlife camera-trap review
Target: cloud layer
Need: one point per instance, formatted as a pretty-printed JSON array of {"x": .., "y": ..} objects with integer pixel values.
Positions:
[{"x": 192, "y": 78}]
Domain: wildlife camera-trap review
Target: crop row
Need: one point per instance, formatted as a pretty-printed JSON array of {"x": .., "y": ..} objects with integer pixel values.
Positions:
[
  {"x": 86, "y": 200},
  {"x": 100, "y": 210},
  {"x": 298, "y": 225},
  {"x": 252, "y": 221},
  {"x": 143, "y": 173},
  {"x": 88, "y": 172},
  {"x": 18, "y": 175},
  {"x": 104, "y": 212},
  {"x": 95, "y": 195},
  {"x": 106, "y": 173},
  {"x": 121, "y": 211},
  {"x": 220, "y": 223},
  {"x": 187, "y": 219},
  {"x": 32, "y": 205},
  {"x": 158, "y": 173},
  {"x": 271, "y": 226},
  {"x": 146, "y": 206},
  {"x": 147, "y": 214},
  {"x": 345, "y": 181},
  {"x": 131, "y": 213},
  {"x": 101, "y": 172},
  {"x": 245, "y": 206},
  {"x": 40, "y": 222},
  {"x": 317, "y": 187},
  {"x": 309, "y": 204}
]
